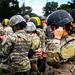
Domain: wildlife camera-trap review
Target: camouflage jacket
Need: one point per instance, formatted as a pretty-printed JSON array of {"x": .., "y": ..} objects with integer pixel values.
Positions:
[
  {"x": 65, "y": 50},
  {"x": 14, "y": 52},
  {"x": 35, "y": 44},
  {"x": 42, "y": 36},
  {"x": 8, "y": 30}
]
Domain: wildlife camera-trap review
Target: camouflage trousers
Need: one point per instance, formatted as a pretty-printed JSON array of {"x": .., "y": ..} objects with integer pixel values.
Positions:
[
  {"x": 5, "y": 72},
  {"x": 34, "y": 69}
]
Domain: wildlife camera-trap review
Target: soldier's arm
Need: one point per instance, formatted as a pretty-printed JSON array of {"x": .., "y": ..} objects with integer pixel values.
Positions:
[
  {"x": 6, "y": 47},
  {"x": 35, "y": 44},
  {"x": 31, "y": 53},
  {"x": 59, "y": 55}
]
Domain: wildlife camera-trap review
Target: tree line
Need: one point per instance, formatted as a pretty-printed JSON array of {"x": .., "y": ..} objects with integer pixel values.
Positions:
[{"x": 9, "y": 8}]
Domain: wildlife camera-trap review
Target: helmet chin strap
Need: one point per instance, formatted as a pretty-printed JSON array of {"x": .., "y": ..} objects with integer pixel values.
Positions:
[{"x": 15, "y": 28}]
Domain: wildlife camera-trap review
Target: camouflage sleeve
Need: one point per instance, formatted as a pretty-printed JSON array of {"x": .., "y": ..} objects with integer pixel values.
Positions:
[
  {"x": 57, "y": 54},
  {"x": 42, "y": 36},
  {"x": 65, "y": 52},
  {"x": 35, "y": 43},
  {"x": 52, "y": 47},
  {"x": 52, "y": 54},
  {"x": 6, "y": 46}
]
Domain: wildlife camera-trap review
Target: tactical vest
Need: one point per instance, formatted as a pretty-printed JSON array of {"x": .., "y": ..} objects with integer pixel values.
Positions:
[
  {"x": 68, "y": 48},
  {"x": 61, "y": 53},
  {"x": 35, "y": 44},
  {"x": 19, "y": 54},
  {"x": 67, "y": 66}
]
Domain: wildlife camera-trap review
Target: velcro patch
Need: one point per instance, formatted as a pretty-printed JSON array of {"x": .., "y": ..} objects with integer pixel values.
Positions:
[{"x": 68, "y": 52}]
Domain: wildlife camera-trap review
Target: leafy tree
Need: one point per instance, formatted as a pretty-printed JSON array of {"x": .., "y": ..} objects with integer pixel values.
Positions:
[
  {"x": 71, "y": 4},
  {"x": 27, "y": 10},
  {"x": 33, "y": 14},
  {"x": 8, "y": 8},
  {"x": 50, "y": 7},
  {"x": 64, "y": 7}
]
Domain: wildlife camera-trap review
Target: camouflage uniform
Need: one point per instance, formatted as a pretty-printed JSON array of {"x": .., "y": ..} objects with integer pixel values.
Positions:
[
  {"x": 41, "y": 63},
  {"x": 35, "y": 44},
  {"x": 6, "y": 27},
  {"x": 2, "y": 33},
  {"x": 8, "y": 30},
  {"x": 61, "y": 57},
  {"x": 14, "y": 53},
  {"x": 42, "y": 36}
]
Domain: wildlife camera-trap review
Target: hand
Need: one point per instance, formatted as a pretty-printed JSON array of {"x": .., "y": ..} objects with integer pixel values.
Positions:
[
  {"x": 58, "y": 33},
  {"x": 3, "y": 37},
  {"x": 40, "y": 53}
]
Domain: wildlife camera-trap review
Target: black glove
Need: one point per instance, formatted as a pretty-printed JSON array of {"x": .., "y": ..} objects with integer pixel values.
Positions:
[
  {"x": 31, "y": 53},
  {"x": 0, "y": 40}
]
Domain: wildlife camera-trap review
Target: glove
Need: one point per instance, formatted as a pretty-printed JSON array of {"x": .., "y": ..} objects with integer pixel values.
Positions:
[
  {"x": 1, "y": 40},
  {"x": 30, "y": 53}
]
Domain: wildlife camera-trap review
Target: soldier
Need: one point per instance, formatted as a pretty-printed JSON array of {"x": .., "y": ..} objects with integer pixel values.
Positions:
[
  {"x": 14, "y": 50},
  {"x": 41, "y": 34},
  {"x": 39, "y": 30},
  {"x": 31, "y": 31},
  {"x": 2, "y": 38},
  {"x": 2, "y": 35},
  {"x": 61, "y": 49},
  {"x": 48, "y": 34},
  {"x": 72, "y": 13},
  {"x": 6, "y": 27},
  {"x": 26, "y": 17},
  {"x": 43, "y": 22}
]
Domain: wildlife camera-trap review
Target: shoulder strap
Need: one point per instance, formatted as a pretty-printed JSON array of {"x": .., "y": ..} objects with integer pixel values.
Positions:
[{"x": 68, "y": 42}]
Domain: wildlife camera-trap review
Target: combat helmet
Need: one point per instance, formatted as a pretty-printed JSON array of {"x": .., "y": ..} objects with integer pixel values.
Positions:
[
  {"x": 59, "y": 18},
  {"x": 26, "y": 16},
  {"x": 30, "y": 26},
  {"x": 72, "y": 13},
  {"x": 17, "y": 20},
  {"x": 36, "y": 21},
  {"x": 5, "y": 22},
  {"x": 42, "y": 17}
]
